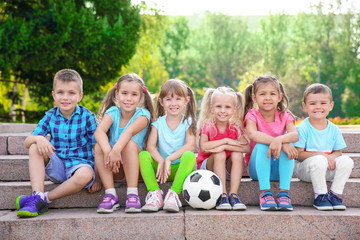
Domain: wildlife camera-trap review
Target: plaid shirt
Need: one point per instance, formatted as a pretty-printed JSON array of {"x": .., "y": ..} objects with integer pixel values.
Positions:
[{"x": 72, "y": 138}]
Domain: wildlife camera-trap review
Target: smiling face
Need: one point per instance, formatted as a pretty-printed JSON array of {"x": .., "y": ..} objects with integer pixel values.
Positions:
[
  {"x": 173, "y": 104},
  {"x": 318, "y": 105},
  {"x": 267, "y": 97},
  {"x": 67, "y": 95},
  {"x": 223, "y": 107},
  {"x": 128, "y": 95}
]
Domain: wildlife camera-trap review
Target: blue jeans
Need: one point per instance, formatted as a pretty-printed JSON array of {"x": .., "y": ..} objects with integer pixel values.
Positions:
[
  {"x": 57, "y": 172},
  {"x": 264, "y": 170}
]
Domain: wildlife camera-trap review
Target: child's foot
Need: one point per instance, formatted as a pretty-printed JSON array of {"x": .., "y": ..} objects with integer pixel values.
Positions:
[
  {"x": 267, "y": 202},
  {"x": 153, "y": 201},
  {"x": 133, "y": 204},
  {"x": 284, "y": 202},
  {"x": 33, "y": 207},
  {"x": 21, "y": 201},
  {"x": 223, "y": 203},
  {"x": 172, "y": 202},
  {"x": 236, "y": 203},
  {"x": 108, "y": 204},
  {"x": 322, "y": 203},
  {"x": 335, "y": 201}
]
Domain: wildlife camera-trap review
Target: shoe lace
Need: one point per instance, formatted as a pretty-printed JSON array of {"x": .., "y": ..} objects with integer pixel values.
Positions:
[
  {"x": 173, "y": 198},
  {"x": 332, "y": 196},
  {"x": 32, "y": 201},
  {"x": 151, "y": 197}
]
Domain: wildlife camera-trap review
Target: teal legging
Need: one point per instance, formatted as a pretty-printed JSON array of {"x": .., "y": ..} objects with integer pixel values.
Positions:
[
  {"x": 265, "y": 170},
  {"x": 179, "y": 171}
]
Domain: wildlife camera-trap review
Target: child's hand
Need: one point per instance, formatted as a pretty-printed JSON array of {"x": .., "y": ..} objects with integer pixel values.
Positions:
[
  {"x": 290, "y": 150},
  {"x": 331, "y": 162},
  {"x": 160, "y": 171},
  {"x": 217, "y": 149},
  {"x": 275, "y": 148},
  {"x": 167, "y": 170},
  {"x": 45, "y": 148},
  {"x": 115, "y": 160},
  {"x": 97, "y": 185}
]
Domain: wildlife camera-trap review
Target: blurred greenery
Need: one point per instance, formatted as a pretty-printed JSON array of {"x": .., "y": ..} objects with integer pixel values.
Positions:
[{"x": 105, "y": 39}]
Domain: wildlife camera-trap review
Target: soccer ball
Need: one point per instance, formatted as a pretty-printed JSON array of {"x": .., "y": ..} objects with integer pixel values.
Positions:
[{"x": 201, "y": 189}]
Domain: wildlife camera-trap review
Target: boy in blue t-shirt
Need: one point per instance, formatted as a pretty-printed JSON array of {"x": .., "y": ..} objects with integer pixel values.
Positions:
[
  {"x": 68, "y": 157},
  {"x": 319, "y": 148}
]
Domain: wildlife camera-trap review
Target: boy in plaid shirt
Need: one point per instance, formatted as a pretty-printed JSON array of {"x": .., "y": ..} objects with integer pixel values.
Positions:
[{"x": 68, "y": 157}]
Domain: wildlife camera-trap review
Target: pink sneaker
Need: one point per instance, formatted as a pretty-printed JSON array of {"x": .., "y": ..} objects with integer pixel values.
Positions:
[
  {"x": 153, "y": 201},
  {"x": 172, "y": 202}
]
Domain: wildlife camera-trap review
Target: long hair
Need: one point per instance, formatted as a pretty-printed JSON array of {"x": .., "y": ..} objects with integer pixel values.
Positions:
[
  {"x": 252, "y": 89},
  {"x": 206, "y": 115},
  {"x": 110, "y": 98},
  {"x": 180, "y": 88}
]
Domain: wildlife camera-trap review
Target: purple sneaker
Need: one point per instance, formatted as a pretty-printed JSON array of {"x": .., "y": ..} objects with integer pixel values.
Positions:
[
  {"x": 21, "y": 201},
  {"x": 133, "y": 204},
  {"x": 33, "y": 207},
  {"x": 108, "y": 204}
]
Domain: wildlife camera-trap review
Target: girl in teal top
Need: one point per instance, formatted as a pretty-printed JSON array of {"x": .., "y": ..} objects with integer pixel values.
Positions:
[
  {"x": 125, "y": 115},
  {"x": 170, "y": 146}
]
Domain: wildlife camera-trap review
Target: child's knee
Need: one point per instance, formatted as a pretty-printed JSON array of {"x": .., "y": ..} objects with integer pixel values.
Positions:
[
  {"x": 83, "y": 175},
  {"x": 189, "y": 156},
  {"x": 144, "y": 156},
  {"x": 220, "y": 156},
  {"x": 318, "y": 162},
  {"x": 345, "y": 162}
]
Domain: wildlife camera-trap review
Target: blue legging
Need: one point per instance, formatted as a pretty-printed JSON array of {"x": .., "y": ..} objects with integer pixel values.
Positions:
[{"x": 264, "y": 170}]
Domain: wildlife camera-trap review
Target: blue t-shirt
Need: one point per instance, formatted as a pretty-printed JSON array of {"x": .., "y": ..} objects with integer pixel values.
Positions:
[
  {"x": 313, "y": 140},
  {"x": 72, "y": 138},
  {"x": 115, "y": 113},
  {"x": 170, "y": 141}
]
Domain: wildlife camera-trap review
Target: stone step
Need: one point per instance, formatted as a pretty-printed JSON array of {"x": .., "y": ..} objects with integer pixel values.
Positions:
[
  {"x": 13, "y": 143},
  {"x": 301, "y": 194},
  {"x": 302, "y": 223},
  {"x": 15, "y": 167}
]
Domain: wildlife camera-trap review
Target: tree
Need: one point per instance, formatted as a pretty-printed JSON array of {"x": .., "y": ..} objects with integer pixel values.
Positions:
[{"x": 38, "y": 38}]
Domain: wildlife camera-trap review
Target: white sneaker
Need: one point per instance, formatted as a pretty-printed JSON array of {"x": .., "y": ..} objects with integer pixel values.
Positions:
[
  {"x": 172, "y": 202},
  {"x": 153, "y": 201}
]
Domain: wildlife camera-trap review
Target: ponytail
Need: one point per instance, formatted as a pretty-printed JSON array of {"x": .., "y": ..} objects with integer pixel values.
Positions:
[{"x": 249, "y": 104}]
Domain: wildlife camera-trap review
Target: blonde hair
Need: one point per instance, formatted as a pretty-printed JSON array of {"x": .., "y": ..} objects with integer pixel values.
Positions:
[
  {"x": 180, "y": 88},
  {"x": 68, "y": 75},
  {"x": 205, "y": 110},
  {"x": 252, "y": 89}
]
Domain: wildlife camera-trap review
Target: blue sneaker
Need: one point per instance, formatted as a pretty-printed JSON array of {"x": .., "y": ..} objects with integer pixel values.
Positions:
[
  {"x": 322, "y": 203},
  {"x": 21, "y": 201},
  {"x": 223, "y": 203},
  {"x": 236, "y": 203},
  {"x": 335, "y": 201},
  {"x": 33, "y": 207},
  {"x": 267, "y": 202},
  {"x": 284, "y": 202}
]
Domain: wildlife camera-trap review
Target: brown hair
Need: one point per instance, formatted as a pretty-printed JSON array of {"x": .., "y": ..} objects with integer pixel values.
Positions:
[
  {"x": 68, "y": 75},
  {"x": 252, "y": 89},
  {"x": 180, "y": 88},
  {"x": 317, "y": 88}
]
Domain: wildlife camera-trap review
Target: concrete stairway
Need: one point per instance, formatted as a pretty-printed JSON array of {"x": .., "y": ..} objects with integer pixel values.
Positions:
[{"x": 76, "y": 217}]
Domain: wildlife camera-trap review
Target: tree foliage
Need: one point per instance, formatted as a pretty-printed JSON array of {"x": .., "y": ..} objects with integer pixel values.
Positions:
[{"x": 38, "y": 38}]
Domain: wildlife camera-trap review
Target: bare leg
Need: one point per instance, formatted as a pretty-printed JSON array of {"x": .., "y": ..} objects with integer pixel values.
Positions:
[
  {"x": 37, "y": 165},
  {"x": 106, "y": 175},
  {"x": 236, "y": 171},
  {"x": 216, "y": 163},
  {"x": 130, "y": 156},
  {"x": 78, "y": 181}
]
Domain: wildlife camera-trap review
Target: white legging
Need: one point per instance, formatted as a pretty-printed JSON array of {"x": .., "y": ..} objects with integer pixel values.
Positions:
[{"x": 314, "y": 169}]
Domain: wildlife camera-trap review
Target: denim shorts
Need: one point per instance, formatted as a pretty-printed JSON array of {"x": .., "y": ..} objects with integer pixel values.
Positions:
[
  {"x": 203, "y": 167},
  {"x": 57, "y": 173}
]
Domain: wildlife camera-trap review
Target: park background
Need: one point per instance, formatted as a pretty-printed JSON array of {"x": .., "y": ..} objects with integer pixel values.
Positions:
[{"x": 103, "y": 39}]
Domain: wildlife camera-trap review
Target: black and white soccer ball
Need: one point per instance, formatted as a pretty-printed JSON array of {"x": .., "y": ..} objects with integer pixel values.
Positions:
[{"x": 201, "y": 189}]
